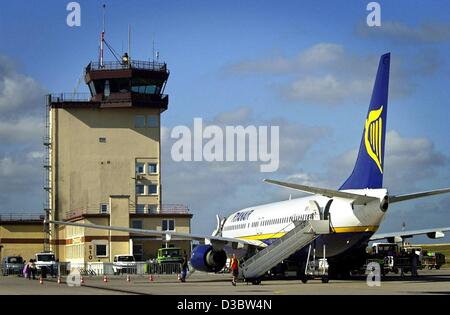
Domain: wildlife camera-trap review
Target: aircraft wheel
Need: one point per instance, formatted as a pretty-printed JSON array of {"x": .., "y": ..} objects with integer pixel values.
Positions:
[
  {"x": 256, "y": 282},
  {"x": 304, "y": 279},
  {"x": 325, "y": 280}
]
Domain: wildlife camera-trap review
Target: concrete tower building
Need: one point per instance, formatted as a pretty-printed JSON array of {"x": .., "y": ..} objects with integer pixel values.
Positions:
[{"x": 104, "y": 164}]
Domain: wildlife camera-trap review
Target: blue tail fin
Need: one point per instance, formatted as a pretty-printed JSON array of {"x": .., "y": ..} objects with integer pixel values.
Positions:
[{"x": 368, "y": 171}]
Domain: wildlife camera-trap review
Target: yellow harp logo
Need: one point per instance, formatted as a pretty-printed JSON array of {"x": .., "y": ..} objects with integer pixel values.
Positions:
[{"x": 372, "y": 135}]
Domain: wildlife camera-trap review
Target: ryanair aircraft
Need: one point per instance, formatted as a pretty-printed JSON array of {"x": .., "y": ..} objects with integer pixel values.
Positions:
[{"x": 354, "y": 211}]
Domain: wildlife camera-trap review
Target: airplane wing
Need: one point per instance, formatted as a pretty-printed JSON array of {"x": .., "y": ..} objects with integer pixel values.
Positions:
[
  {"x": 358, "y": 199},
  {"x": 169, "y": 234},
  {"x": 399, "y": 198},
  {"x": 399, "y": 236}
]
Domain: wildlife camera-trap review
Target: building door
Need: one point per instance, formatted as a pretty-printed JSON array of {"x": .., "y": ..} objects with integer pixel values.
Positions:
[{"x": 138, "y": 252}]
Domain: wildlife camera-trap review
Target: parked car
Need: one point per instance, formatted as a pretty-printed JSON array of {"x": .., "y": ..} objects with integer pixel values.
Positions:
[
  {"x": 169, "y": 255},
  {"x": 124, "y": 264},
  {"x": 46, "y": 263},
  {"x": 12, "y": 265}
]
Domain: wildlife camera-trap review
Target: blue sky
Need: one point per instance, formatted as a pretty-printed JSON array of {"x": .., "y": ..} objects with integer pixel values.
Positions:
[{"x": 245, "y": 59}]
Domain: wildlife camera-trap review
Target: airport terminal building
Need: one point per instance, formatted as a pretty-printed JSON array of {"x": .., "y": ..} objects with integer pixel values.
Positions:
[{"x": 103, "y": 166}]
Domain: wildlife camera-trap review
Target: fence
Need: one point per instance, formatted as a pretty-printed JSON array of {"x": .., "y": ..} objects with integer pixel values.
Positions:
[{"x": 137, "y": 268}]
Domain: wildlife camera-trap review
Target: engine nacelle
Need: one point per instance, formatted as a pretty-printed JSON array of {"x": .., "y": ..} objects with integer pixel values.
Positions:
[
  {"x": 384, "y": 204},
  {"x": 205, "y": 258}
]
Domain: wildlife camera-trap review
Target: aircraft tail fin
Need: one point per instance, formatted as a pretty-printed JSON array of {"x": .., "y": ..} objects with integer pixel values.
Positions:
[{"x": 368, "y": 170}]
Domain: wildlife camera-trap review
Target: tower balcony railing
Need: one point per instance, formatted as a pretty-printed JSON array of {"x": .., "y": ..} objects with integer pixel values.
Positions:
[
  {"x": 165, "y": 209},
  {"x": 134, "y": 64},
  {"x": 69, "y": 97},
  {"x": 21, "y": 217}
]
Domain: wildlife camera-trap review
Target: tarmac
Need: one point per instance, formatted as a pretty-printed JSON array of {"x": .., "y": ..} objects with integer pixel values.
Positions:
[{"x": 428, "y": 282}]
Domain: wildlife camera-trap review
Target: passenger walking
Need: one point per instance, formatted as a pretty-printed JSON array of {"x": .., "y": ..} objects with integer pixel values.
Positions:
[
  {"x": 33, "y": 269},
  {"x": 184, "y": 268},
  {"x": 26, "y": 269},
  {"x": 234, "y": 265}
]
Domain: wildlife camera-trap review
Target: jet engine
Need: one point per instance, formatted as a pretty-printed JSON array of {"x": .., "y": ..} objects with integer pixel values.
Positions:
[{"x": 205, "y": 258}]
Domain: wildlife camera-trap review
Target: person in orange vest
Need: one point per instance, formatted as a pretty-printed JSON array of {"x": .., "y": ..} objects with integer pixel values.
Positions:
[{"x": 234, "y": 264}]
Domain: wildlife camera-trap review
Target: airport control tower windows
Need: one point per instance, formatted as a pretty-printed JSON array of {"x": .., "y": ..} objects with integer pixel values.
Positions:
[
  {"x": 144, "y": 86},
  {"x": 139, "y": 122},
  {"x": 152, "y": 121}
]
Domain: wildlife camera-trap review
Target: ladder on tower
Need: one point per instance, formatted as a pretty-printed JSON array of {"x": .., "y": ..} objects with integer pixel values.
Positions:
[
  {"x": 301, "y": 236},
  {"x": 47, "y": 177}
]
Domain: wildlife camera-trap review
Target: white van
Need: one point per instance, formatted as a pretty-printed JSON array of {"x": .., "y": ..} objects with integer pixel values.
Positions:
[{"x": 124, "y": 264}]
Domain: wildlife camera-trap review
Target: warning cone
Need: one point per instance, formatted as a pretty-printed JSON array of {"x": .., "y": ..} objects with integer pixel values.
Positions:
[
  {"x": 105, "y": 279},
  {"x": 150, "y": 278},
  {"x": 82, "y": 280},
  {"x": 41, "y": 281},
  {"x": 128, "y": 278}
]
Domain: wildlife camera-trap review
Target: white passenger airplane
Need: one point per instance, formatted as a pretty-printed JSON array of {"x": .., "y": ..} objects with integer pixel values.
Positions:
[{"x": 355, "y": 211}]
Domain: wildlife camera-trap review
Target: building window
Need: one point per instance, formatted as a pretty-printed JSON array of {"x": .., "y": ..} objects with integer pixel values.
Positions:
[
  {"x": 140, "y": 189},
  {"x": 136, "y": 224},
  {"x": 152, "y": 168},
  {"x": 104, "y": 208},
  {"x": 152, "y": 121},
  {"x": 152, "y": 189},
  {"x": 140, "y": 209},
  {"x": 168, "y": 225},
  {"x": 139, "y": 122},
  {"x": 101, "y": 250},
  {"x": 140, "y": 168},
  {"x": 152, "y": 208}
]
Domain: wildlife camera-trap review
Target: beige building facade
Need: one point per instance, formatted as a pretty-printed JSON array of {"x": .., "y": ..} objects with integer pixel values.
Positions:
[{"x": 104, "y": 165}]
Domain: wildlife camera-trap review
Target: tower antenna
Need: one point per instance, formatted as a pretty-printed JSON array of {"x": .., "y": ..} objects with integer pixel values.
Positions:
[
  {"x": 129, "y": 41},
  {"x": 102, "y": 39}
]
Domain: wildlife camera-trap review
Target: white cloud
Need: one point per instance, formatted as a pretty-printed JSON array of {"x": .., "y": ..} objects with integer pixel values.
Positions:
[
  {"x": 408, "y": 162},
  {"x": 18, "y": 92},
  {"x": 221, "y": 187},
  {"x": 325, "y": 74},
  {"x": 401, "y": 33},
  {"x": 329, "y": 90},
  {"x": 23, "y": 130}
]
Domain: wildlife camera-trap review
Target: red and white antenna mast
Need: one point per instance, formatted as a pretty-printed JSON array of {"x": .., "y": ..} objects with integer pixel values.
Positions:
[{"x": 102, "y": 40}]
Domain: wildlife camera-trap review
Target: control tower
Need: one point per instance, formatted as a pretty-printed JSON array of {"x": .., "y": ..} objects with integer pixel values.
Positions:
[{"x": 103, "y": 162}]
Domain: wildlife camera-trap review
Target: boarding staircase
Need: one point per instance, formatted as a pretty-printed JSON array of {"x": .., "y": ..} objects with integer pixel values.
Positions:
[{"x": 303, "y": 234}]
